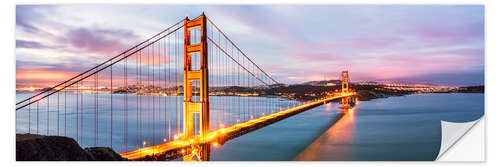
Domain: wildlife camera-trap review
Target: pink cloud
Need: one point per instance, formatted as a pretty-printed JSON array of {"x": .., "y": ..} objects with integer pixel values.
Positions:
[{"x": 98, "y": 40}]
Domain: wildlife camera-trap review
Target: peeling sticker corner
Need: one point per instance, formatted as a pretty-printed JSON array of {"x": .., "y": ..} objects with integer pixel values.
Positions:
[{"x": 451, "y": 133}]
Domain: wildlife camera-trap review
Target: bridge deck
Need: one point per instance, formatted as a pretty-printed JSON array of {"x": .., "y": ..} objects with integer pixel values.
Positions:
[{"x": 177, "y": 148}]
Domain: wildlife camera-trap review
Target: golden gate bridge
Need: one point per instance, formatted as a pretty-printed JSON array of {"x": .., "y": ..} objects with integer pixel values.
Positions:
[{"x": 176, "y": 94}]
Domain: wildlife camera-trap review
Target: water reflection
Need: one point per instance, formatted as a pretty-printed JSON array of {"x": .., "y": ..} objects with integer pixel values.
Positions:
[
  {"x": 338, "y": 137},
  {"x": 328, "y": 106},
  {"x": 395, "y": 128}
]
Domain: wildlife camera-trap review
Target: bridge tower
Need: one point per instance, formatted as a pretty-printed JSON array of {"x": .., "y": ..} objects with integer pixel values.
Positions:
[
  {"x": 192, "y": 106},
  {"x": 345, "y": 90},
  {"x": 345, "y": 81}
]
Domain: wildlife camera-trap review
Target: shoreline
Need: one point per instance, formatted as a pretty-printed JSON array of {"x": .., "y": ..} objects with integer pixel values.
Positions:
[{"x": 362, "y": 95}]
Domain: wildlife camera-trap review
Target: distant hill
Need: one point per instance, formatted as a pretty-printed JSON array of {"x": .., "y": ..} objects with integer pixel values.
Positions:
[
  {"x": 471, "y": 89},
  {"x": 323, "y": 83}
]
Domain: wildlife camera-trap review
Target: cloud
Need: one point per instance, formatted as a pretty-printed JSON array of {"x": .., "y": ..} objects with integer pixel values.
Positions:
[
  {"x": 30, "y": 44},
  {"x": 95, "y": 40},
  {"x": 24, "y": 15},
  {"x": 428, "y": 36},
  {"x": 67, "y": 65},
  {"x": 293, "y": 43},
  {"x": 35, "y": 21}
]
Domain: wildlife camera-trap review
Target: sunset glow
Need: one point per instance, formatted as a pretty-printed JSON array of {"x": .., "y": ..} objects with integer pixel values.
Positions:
[{"x": 375, "y": 43}]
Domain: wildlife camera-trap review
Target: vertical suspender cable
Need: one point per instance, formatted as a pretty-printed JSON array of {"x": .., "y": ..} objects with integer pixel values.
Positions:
[
  {"x": 29, "y": 116},
  {"x": 58, "y": 113},
  {"x": 137, "y": 87},
  {"x": 37, "y": 116},
  {"x": 77, "y": 111},
  {"x": 65, "y": 112},
  {"x": 165, "y": 88},
  {"x": 154, "y": 89},
  {"x": 139, "y": 103},
  {"x": 97, "y": 109},
  {"x": 125, "y": 106},
  {"x": 48, "y": 114},
  {"x": 81, "y": 116},
  {"x": 169, "y": 93},
  {"x": 149, "y": 99},
  {"x": 111, "y": 108}
]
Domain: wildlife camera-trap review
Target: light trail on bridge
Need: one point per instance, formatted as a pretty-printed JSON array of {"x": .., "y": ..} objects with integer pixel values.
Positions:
[{"x": 177, "y": 148}]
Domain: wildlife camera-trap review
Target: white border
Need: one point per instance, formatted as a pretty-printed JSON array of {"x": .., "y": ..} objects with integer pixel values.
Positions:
[{"x": 7, "y": 86}]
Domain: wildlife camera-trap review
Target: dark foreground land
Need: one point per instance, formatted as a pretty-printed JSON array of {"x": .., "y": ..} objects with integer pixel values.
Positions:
[{"x": 31, "y": 147}]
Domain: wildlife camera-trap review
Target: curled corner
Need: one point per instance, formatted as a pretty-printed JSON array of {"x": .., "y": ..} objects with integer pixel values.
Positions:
[{"x": 451, "y": 132}]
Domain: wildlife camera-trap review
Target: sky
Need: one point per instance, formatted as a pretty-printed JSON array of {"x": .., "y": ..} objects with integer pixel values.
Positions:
[{"x": 437, "y": 44}]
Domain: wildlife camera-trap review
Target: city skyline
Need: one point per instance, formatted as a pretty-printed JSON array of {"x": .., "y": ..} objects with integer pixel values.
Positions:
[{"x": 375, "y": 43}]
